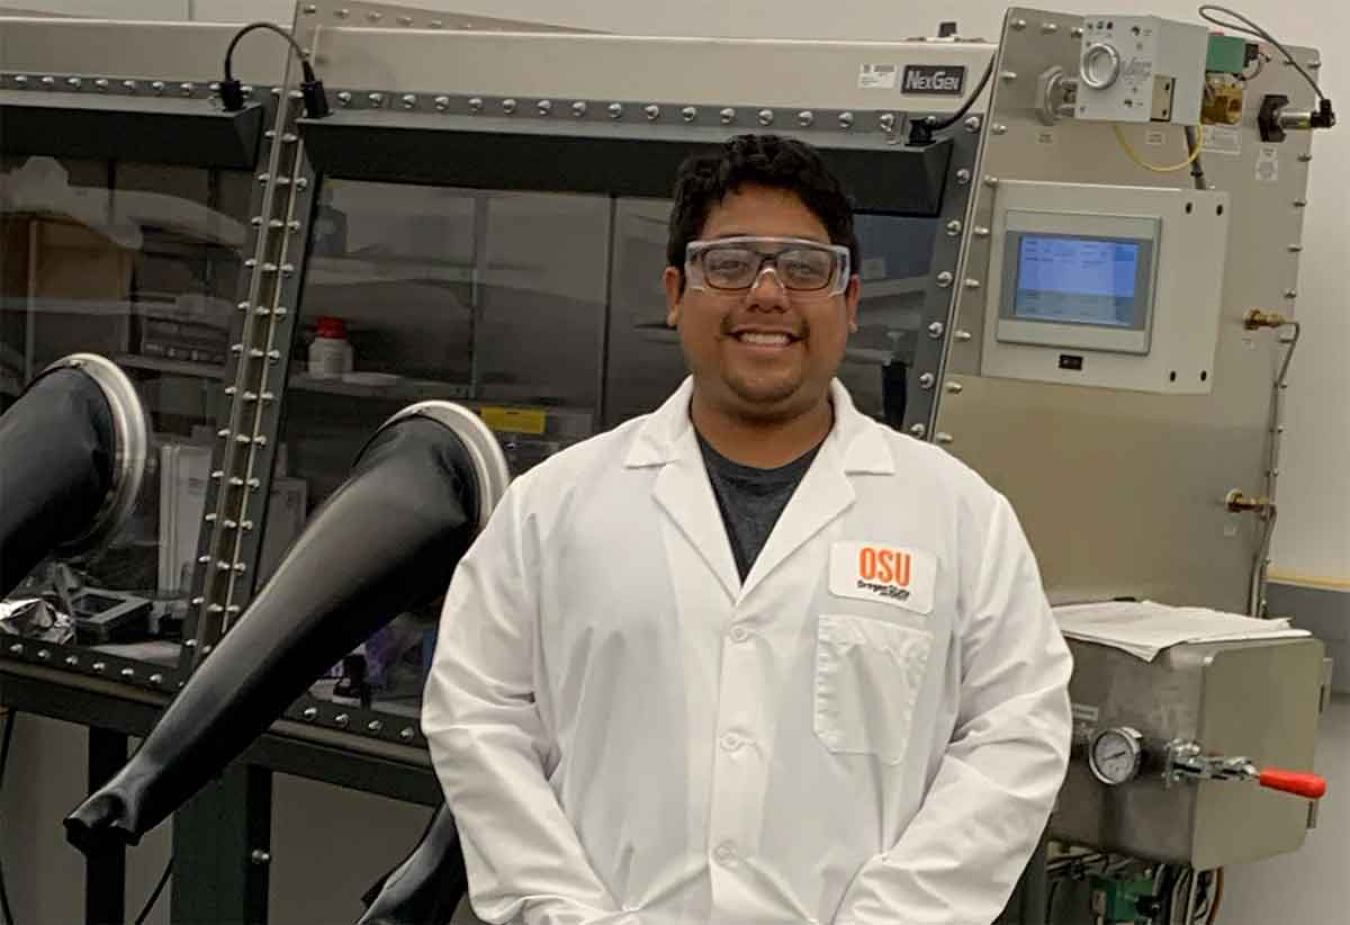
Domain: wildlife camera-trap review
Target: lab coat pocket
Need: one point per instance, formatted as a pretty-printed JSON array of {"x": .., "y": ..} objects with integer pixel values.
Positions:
[{"x": 868, "y": 677}]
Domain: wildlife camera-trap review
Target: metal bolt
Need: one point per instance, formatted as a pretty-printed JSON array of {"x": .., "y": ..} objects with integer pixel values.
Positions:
[
  {"x": 99, "y": 666},
  {"x": 342, "y": 14},
  {"x": 1315, "y": 64},
  {"x": 127, "y": 85},
  {"x": 50, "y": 82},
  {"x": 972, "y": 284},
  {"x": 926, "y": 381},
  {"x": 344, "y": 98},
  {"x": 980, "y": 231},
  {"x": 1000, "y": 129},
  {"x": 544, "y": 106},
  {"x": 990, "y": 180},
  {"x": 953, "y": 228},
  {"x": 689, "y": 113},
  {"x": 187, "y": 89},
  {"x": 259, "y": 856},
  {"x": 72, "y": 661},
  {"x": 43, "y": 654},
  {"x": 652, "y": 112},
  {"x": 887, "y": 121},
  {"x": 944, "y": 438},
  {"x": 374, "y": 16},
  {"x": 189, "y": 644},
  {"x": 409, "y": 100},
  {"x": 74, "y": 83},
  {"x": 579, "y": 109},
  {"x": 128, "y": 673},
  {"x": 936, "y": 329},
  {"x": 157, "y": 678},
  {"x": 508, "y": 106},
  {"x": 972, "y": 124},
  {"x": 22, "y": 81},
  {"x": 1300, "y": 203},
  {"x": 919, "y": 430},
  {"x": 727, "y": 116},
  {"x": 310, "y": 713},
  {"x": 1077, "y": 32},
  {"x": 1049, "y": 28},
  {"x": 405, "y": 20},
  {"x": 310, "y": 9},
  {"x": 1291, "y": 293},
  {"x": 955, "y": 388},
  {"x": 376, "y": 99},
  {"x": 1007, "y": 76},
  {"x": 944, "y": 279},
  {"x": 476, "y": 104},
  {"x": 806, "y": 118},
  {"x": 342, "y": 719},
  {"x": 406, "y": 733},
  {"x": 1304, "y": 158},
  {"x": 374, "y": 725},
  {"x": 1295, "y": 248},
  {"x": 157, "y": 86},
  {"x": 846, "y": 120},
  {"x": 765, "y": 117},
  {"x": 962, "y": 336},
  {"x": 1019, "y": 24},
  {"x": 17, "y": 648},
  {"x": 963, "y": 176},
  {"x": 615, "y": 111}
]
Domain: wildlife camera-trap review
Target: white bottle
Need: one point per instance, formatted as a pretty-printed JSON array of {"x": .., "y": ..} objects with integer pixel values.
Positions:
[{"x": 330, "y": 355}]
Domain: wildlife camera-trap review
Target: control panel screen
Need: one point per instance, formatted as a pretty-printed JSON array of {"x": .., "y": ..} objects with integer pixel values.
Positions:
[{"x": 1079, "y": 280}]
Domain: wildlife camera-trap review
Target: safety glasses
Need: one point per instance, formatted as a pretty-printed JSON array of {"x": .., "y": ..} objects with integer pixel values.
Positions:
[{"x": 803, "y": 267}]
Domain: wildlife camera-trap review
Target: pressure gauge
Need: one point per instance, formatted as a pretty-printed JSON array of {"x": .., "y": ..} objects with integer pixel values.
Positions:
[{"x": 1116, "y": 754}]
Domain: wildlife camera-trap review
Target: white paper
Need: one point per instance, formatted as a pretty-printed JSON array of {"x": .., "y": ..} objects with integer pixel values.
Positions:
[{"x": 1146, "y": 628}]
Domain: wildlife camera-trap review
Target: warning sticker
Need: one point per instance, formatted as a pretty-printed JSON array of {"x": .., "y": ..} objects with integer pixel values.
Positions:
[
  {"x": 1268, "y": 164},
  {"x": 515, "y": 420},
  {"x": 877, "y": 77},
  {"x": 1156, "y": 139},
  {"x": 1045, "y": 138},
  {"x": 1083, "y": 713},
  {"x": 1220, "y": 139}
]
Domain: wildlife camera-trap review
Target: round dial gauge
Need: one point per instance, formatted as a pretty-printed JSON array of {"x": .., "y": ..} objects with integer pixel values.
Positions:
[{"x": 1115, "y": 755}]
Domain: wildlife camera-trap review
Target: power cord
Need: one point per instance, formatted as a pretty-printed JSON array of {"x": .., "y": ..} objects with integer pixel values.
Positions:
[
  {"x": 1173, "y": 168},
  {"x": 154, "y": 897},
  {"x": 921, "y": 131},
  {"x": 232, "y": 91}
]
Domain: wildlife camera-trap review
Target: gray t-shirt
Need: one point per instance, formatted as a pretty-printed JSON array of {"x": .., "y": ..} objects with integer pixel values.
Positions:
[{"x": 751, "y": 500}]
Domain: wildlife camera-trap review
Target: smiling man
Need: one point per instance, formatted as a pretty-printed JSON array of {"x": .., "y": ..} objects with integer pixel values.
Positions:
[{"x": 752, "y": 658}]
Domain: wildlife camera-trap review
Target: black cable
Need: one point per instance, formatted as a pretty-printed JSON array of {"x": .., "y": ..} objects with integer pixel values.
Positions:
[
  {"x": 232, "y": 91},
  {"x": 921, "y": 131},
  {"x": 154, "y": 897},
  {"x": 4, "y": 760}
]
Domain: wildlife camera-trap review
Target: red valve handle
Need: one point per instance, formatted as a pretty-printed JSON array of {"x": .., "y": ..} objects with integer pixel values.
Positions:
[{"x": 1312, "y": 786}]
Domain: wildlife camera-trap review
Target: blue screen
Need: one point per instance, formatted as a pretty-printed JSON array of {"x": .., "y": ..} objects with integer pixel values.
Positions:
[{"x": 1078, "y": 281}]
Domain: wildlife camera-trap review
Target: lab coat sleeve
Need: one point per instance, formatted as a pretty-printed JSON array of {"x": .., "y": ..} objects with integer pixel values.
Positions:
[
  {"x": 523, "y": 858},
  {"x": 961, "y": 855}
]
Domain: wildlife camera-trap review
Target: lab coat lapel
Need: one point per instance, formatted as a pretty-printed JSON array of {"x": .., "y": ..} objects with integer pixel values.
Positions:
[
  {"x": 855, "y": 446},
  {"x": 682, "y": 489}
]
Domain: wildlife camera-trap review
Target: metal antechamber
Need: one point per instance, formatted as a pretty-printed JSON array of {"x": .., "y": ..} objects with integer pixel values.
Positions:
[{"x": 1121, "y": 492}]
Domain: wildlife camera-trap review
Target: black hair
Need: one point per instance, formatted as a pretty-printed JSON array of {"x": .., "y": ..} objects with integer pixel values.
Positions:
[{"x": 762, "y": 160}]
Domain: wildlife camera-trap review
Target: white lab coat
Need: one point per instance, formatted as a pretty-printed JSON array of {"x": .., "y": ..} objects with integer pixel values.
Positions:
[{"x": 627, "y": 733}]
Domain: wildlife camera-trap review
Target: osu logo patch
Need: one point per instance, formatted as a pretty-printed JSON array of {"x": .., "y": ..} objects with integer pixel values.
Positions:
[{"x": 901, "y": 576}]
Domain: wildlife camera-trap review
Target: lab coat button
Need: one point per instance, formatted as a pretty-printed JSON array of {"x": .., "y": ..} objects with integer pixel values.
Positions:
[
  {"x": 731, "y": 741},
  {"x": 740, "y": 634},
  {"x": 725, "y": 854}
]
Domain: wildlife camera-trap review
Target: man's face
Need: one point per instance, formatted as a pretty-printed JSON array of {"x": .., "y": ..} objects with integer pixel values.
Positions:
[{"x": 764, "y": 353}]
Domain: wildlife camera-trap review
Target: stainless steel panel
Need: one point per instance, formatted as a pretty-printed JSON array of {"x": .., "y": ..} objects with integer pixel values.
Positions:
[
  {"x": 165, "y": 51},
  {"x": 697, "y": 71},
  {"x": 392, "y": 16},
  {"x": 1122, "y": 493},
  {"x": 1258, "y": 700}
]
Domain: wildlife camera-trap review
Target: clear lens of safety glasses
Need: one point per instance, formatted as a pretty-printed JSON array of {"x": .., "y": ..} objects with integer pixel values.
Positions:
[{"x": 734, "y": 264}]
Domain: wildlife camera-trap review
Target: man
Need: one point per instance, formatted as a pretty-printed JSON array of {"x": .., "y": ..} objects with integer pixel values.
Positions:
[{"x": 753, "y": 658}]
